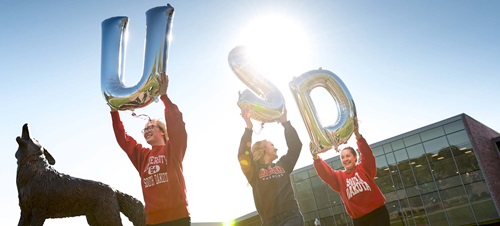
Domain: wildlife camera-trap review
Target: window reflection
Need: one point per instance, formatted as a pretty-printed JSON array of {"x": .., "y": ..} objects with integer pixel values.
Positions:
[
  {"x": 458, "y": 138},
  {"x": 432, "y": 133},
  {"x": 411, "y": 140},
  {"x": 454, "y": 197},
  {"x": 393, "y": 208},
  {"x": 320, "y": 194},
  {"x": 477, "y": 191},
  {"x": 485, "y": 210},
  {"x": 434, "y": 146},
  {"x": 391, "y": 161},
  {"x": 401, "y": 155},
  {"x": 408, "y": 179},
  {"x": 385, "y": 184},
  {"x": 454, "y": 126},
  {"x": 382, "y": 169},
  {"x": 415, "y": 151},
  {"x": 300, "y": 176},
  {"x": 377, "y": 151},
  {"x": 444, "y": 168},
  {"x": 387, "y": 148},
  {"x": 334, "y": 197},
  {"x": 396, "y": 145},
  {"x": 418, "y": 211},
  {"x": 471, "y": 177}
]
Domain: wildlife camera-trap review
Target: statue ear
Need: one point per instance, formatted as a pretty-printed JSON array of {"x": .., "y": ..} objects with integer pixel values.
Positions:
[{"x": 49, "y": 157}]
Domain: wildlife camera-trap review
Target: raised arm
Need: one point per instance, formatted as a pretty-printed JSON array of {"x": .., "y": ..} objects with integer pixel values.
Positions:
[
  {"x": 244, "y": 151},
  {"x": 367, "y": 159},
  {"x": 176, "y": 128},
  {"x": 293, "y": 143},
  {"x": 126, "y": 142},
  {"x": 327, "y": 174}
]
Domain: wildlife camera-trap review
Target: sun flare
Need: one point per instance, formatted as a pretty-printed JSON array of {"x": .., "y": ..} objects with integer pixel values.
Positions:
[{"x": 277, "y": 46}]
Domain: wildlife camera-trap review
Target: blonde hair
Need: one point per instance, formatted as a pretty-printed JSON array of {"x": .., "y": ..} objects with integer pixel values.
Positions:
[
  {"x": 258, "y": 150},
  {"x": 162, "y": 127}
]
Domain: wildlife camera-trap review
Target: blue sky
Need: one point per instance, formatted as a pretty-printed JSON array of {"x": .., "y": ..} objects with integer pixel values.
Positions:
[{"x": 407, "y": 64}]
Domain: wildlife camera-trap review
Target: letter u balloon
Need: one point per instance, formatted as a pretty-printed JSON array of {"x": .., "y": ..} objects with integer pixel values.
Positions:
[{"x": 114, "y": 42}]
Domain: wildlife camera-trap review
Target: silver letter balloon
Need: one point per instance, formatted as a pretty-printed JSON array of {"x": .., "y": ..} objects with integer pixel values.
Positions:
[
  {"x": 269, "y": 106},
  {"x": 114, "y": 31},
  {"x": 331, "y": 135}
]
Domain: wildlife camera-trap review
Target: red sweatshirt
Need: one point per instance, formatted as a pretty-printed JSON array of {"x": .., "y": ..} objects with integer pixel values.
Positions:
[
  {"x": 358, "y": 190},
  {"x": 159, "y": 167}
]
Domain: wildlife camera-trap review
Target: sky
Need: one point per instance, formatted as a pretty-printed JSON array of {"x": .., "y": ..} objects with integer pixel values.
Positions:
[{"x": 407, "y": 64}]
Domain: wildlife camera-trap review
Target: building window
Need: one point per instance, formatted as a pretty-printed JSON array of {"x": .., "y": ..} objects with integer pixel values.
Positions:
[
  {"x": 432, "y": 133},
  {"x": 411, "y": 140},
  {"x": 454, "y": 126}
]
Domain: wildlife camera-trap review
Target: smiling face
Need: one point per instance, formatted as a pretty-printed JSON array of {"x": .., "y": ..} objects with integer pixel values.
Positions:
[
  {"x": 154, "y": 133},
  {"x": 264, "y": 152},
  {"x": 270, "y": 152},
  {"x": 349, "y": 158}
]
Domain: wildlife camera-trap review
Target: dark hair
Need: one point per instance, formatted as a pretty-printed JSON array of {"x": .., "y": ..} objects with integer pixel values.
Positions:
[{"x": 353, "y": 152}]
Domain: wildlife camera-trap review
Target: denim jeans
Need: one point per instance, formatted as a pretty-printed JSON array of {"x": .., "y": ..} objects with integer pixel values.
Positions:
[{"x": 287, "y": 218}]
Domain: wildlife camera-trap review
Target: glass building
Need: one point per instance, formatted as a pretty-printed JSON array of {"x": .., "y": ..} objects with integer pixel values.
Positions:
[{"x": 447, "y": 173}]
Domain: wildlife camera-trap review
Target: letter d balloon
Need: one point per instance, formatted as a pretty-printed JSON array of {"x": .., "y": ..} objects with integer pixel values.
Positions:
[{"x": 321, "y": 135}]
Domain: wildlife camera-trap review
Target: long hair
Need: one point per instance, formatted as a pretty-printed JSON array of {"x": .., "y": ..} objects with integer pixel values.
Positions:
[{"x": 258, "y": 150}]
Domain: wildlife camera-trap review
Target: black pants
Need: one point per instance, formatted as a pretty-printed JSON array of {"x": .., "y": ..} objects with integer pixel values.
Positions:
[
  {"x": 378, "y": 217},
  {"x": 181, "y": 222}
]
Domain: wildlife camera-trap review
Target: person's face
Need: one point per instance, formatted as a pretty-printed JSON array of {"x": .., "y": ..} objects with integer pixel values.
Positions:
[
  {"x": 270, "y": 151},
  {"x": 348, "y": 159},
  {"x": 153, "y": 134}
]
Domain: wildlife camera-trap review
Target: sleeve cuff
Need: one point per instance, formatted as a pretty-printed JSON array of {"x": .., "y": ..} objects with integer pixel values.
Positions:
[
  {"x": 165, "y": 99},
  {"x": 287, "y": 123},
  {"x": 247, "y": 130}
]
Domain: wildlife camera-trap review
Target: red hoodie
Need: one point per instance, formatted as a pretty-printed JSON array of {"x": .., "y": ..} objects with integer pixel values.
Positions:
[
  {"x": 159, "y": 167},
  {"x": 358, "y": 190}
]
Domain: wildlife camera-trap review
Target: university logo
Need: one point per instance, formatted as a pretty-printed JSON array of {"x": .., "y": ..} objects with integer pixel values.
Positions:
[
  {"x": 271, "y": 172},
  {"x": 356, "y": 185}
]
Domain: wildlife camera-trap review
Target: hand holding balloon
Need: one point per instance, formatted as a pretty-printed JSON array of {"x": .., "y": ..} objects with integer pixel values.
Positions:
[
  {"x": 163, "y": 84},
  {"x": 112, "y": 108},
  {"x": 268, "y": 105},
  {"x": 316, "y": 150},
  {"x": 356, "y": 129},
  {"x": 283, "y": 117},
  {"x": 246, "y": 116}
]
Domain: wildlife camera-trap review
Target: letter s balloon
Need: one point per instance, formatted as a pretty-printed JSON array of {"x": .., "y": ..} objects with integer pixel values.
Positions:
[
  {"x": 321, "y": 135},
  {"x": 269, "y": 106},
  {"x": 114, "y": 30}
]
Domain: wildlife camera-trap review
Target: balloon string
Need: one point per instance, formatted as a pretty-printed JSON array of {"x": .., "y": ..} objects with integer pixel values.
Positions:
[
  {"x": 261, "y": 128},
  {"x": 141, "y": 116}
]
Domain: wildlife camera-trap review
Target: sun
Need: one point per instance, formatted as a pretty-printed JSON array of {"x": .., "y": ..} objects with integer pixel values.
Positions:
[{"x": 278, "y": 46}]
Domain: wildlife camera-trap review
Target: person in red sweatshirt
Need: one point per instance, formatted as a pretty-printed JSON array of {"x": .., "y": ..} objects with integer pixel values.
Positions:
[
  {"x": 362, "y": 198},
  {"x": 160, "y": 166},
  {"x": 272, "y": 189}
]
